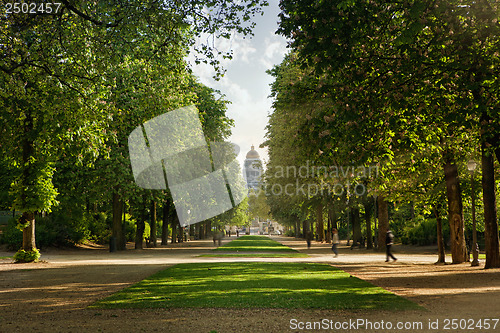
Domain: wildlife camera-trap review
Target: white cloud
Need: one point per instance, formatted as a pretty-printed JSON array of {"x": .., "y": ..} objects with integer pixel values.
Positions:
[
  {"x": 243, "y": 49},
  {"x": 275, "y": 50},
  {"x": 246, "y": 83}
]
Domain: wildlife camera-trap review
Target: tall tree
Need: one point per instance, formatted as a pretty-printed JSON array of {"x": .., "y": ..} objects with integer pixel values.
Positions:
[{"x": 69, "y": 53}]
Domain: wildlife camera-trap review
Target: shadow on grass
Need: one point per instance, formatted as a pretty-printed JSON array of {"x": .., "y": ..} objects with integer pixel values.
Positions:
[{"x": 255, "y": 285}]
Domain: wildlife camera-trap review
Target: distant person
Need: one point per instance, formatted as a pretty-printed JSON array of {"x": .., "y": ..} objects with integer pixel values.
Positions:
[
  {"x": 309, "y": 237},
  {"x": 220, "y": 234},
  {"x": 237, "y": 233},
  {"x": 389, "y": 240},
  {"x": 335, "y": 241}
]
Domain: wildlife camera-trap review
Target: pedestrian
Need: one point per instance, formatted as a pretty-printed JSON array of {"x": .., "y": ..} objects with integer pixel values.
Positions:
[
  {"x": 220, "y": 234},
  {"x": 335, "y": 241},
  {"x": 309, "y": 237},
  {"x": 237, "y": 233},
  {"x": 389, "y": 240}
]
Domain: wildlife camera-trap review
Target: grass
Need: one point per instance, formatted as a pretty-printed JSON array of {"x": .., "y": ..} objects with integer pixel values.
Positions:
[
  {"x": 257, "y": 255},
  {"x": 5, "y": 257},
  {"x": 254, "y": 244},
  {"x": 255, "y": 285},
  {"x": 481, "y": 256}
]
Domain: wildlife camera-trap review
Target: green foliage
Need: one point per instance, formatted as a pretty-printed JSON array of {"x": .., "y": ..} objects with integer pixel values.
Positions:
[
  {"x": 54, "y": 230},
  {"x": 26, "y": 256},
  {"x": 34, "y": 190},
  {"x": 12, "y": 236},
  {"x": 60, "y": 230},
  {"x": 98, "y": 226},
  {"x": 424, "y": 232},
  {"x": 409, "y": 86},
  {"x": 74, "y": 83},
  {"x": 257, "y": 205}
]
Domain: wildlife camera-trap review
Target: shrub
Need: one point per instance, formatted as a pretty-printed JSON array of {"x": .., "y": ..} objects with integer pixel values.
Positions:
[
  {"x": 53, "y": 230},
  {"x": 98, "y": 226},
  {"x": 12, "y": 236},
  {"x": 57, "y": 230},
  {"x": 424, "y": 232},
  {"x": 27, "y": 256},
  {"x": 130, "y": 228}
]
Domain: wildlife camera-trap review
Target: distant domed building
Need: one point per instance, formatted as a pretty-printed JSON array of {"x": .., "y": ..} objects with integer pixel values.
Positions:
[{"x": 252, "y": 169}]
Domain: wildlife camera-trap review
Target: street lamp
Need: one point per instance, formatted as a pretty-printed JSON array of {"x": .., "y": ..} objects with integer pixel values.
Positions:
[{"x": 471, "y": 166}]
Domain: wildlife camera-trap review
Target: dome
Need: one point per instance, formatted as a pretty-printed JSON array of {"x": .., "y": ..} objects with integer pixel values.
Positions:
[{"x": 253, "y": 153}]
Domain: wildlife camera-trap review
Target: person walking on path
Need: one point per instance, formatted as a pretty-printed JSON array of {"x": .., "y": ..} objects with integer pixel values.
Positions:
[
  {"x": 309, "y": 237},
  {"x": 389, "y": 240},
  {"x": 335, "y": 241}
]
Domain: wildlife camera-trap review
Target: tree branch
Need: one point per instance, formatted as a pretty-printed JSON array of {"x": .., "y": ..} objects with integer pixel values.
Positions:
[{"x": 88, "y": 18}]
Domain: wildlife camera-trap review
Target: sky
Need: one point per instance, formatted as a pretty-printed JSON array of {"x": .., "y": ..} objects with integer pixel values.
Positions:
[{"x": 246, "y": 83}]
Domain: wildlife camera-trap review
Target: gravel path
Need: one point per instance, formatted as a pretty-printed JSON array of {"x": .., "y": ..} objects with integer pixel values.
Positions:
[{"x": 52, "y": 296}]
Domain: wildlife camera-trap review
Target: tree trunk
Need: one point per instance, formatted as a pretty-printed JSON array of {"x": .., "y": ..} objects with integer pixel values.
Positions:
[
  {"x": 124, "y": 223},
  {"x": 490, "y": 210},
  {"x": 174, "y": 233},
  {"x": 328, "y": 228},
  {"x": 455, "y": 211},
  {"x": 332, "y": 216},
  {"x": 164, "y": 226},
  {"x": 29, "y": 231},
  {"x": 440, "y": 239},
  {"x": 356, "y": 226},
  {"x": 383, "y": 222},
  {"x": 175, "y": 228},
  {"x": 197, "y": 231},
  {"x": 28, "y": 218},
  {"x": 368, "y": 217},
  {"x": 332, "y": 220},
  {"x": 153, "y": 224},
  {"x": 117, "y": 231},
  {"x": 321, "y": 226},
  {"x": 141, "y": 226}
]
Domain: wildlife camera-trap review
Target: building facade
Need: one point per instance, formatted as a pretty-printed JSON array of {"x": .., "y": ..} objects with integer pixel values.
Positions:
[{"x": 252, "y": 169}]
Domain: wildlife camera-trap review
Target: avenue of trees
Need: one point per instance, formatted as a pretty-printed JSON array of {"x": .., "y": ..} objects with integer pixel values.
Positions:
[
  {"x": 389, "y": 99},
  {"x": 73, "y": 85}
]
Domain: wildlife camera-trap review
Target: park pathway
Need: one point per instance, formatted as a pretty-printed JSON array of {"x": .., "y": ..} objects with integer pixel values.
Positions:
[{"x": 52, "y": 296}]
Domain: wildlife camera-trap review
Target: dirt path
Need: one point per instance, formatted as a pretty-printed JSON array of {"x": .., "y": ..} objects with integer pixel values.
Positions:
[{"x": 52, "y": 296}]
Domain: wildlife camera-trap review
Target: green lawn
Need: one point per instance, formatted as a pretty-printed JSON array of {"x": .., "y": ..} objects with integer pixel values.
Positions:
[
  {"x": 5, "y": 257},
  {"x": 481, "y": 256},
  {"x": 255, "y": 285},
  {"x": 254, "y": 244},
  {"x": 257, "y": 255}
]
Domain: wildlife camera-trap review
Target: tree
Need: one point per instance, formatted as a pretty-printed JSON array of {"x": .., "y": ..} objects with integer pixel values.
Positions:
[
  {"x": 401, "y": 53},
  {"x": 257, "y": 205},
  {"x": 70, "y": 53}
]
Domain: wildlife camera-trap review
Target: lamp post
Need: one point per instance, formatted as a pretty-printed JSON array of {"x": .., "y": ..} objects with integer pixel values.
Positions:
[{"x": 471, "y": 166}]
